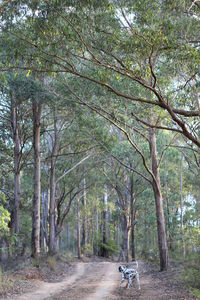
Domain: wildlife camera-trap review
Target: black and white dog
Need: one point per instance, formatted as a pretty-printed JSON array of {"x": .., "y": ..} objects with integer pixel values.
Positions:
[{"x": 129, "y": 274}]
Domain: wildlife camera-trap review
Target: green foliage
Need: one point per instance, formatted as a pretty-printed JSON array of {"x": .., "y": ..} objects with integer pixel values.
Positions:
[
  {"x": 25, "y": 229},
  {"x": 4, "y": 219},
  {"x": 36, "y": 262},
  {"x": 5, "y": 282},
  {"x": 111, "y": 247},
  {"x": 87, "y": 249},
  {"x": 192, "y": 270},
  {"x": 196, "y": 293},
  {"x": 51, "y": 262}
]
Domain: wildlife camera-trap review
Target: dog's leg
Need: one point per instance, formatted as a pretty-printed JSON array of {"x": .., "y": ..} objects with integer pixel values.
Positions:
[
  {"x": 138, "y": 280},
  {"x": 122, "y": 280},
  {"x": 129, "y": 282}
]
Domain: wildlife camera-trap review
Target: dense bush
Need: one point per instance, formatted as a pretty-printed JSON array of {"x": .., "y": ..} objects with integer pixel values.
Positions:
[{"x": 191, "y": 273}]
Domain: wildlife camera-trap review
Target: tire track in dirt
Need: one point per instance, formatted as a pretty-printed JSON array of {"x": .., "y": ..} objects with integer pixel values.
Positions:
[
  {"x": 107, "y": 284},
  {"x": 47, "y": 289},
  {"x": 97, "y": 282},
  {"x": 100, "y": 281}
]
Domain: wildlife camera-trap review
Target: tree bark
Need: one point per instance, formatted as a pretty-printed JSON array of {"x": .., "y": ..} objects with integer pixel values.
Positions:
[
  {"x": 133, "y": 217},
  {"x": 67, "y": 234},
  {"x": 126, "y": 237},
  {"x": 169, "y": 235},
  {"x": 37, "y": 113},
  {"x": 104, "y": 251},
  {"x": 78, "y": 231},
  {"x": 133, "y": 223},
  {"x": 124, "y": 201},
  {"x": 162, "y": 240},
  {"x": 52, "y": 208},
  {"x": 118, "y": 230},
  {"x": 105, "y": 216},
  {"x": 45, "y": 241},
  {"x": 17, "y": 157},
  {"x": 181, "y": 206},
  {"x": 84, "y": 222},
  {"x": 74, "y": 232}
]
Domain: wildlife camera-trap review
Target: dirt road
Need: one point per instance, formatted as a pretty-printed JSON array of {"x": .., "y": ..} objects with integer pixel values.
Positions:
[{"x": 100, "y": 280}]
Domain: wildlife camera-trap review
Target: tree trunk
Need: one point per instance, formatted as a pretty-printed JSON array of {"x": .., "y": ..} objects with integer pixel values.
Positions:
[
  {"x": 126, "y": 237},
  {"x": 103, "y": 250},
  {"x": 17, "y": 156},
  {"x": 52, "y": 207},
  {"x": 44, "y": 219},
  {"x": 105, "y": 216},
  {"x": 118, "y": 230},
  {"x": 37, "y": 113},
  {"x": 67, "y": 234},
  {"x": 84, "y": 222},
  {"x": 133, "y": 223},
  {"x": 124, "y": 200},
  {"x": 181, "y": 206},
  {"x": 133, "y": 217},
  {"x": 162, "y": 240},
  {"x": 170, "y": 241},
  {"x": 97, "y": 228},
  {"x": 78, "y": 231},
  {"x": 74, "y": 232}
]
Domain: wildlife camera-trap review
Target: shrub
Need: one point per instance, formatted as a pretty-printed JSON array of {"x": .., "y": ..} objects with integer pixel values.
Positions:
[
  {"x": 191, "y": 273},
  {"x": 36, "y": 263},
  {"x": 88, "y": 249},
  {"x": 196, "y": 293},
  {"x": 111, "y": 247},
  {"x": 51, "y": 262}
]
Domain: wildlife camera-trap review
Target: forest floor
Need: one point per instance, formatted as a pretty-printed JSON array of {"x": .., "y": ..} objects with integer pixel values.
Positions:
[{"x": 93, "y": 279}]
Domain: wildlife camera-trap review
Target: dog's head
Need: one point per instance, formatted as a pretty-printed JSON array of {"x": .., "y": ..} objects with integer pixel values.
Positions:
[{"x": 121, "y": 269}]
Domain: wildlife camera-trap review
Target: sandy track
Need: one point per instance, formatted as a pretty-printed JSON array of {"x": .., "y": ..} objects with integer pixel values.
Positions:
[
  {"x": 108, "y": 283},
  {"x": 49, "y": 289},
  {"x": 100, "y": 280}
]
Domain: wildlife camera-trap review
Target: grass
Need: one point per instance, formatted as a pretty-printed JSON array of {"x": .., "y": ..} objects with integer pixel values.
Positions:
[
  {"x": 196, "y": 293},
  {"x": 191, "y": 273},
  {"x": 5, "y": 282},
  {"x": 51, "y": 262}
]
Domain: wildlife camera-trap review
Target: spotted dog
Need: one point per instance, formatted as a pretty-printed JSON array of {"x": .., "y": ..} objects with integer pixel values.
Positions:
[{"x": 129, "y": 274}]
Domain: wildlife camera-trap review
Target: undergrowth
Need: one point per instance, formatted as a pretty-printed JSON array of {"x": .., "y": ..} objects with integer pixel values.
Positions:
[
  {"x": 196, "y": 293},
  {"x": 191, "y": 273},
  {"x": 5, "y": 283}
]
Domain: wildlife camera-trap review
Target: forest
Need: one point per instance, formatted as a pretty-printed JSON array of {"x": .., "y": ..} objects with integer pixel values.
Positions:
[{"x": 100, "y": 130}]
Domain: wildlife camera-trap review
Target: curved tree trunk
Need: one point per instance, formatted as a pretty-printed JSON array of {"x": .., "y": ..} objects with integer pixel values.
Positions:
[{"x": 162, "y": 239}]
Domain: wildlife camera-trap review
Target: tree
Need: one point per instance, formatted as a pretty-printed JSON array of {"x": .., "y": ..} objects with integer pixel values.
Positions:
[
  {"x": 37, "y": 114},
  {"x": 150, "y": 37},
  {"x": 117, "y": 47}
]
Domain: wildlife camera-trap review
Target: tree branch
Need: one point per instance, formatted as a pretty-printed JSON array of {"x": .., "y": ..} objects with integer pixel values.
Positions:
[{"x": 71, "y": 169}]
